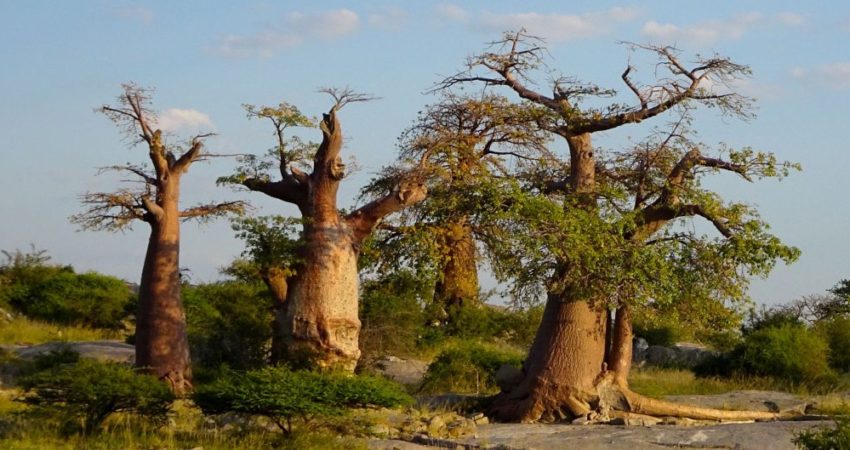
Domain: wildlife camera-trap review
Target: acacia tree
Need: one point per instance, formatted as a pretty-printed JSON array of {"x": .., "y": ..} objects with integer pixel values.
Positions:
[
  {"x": 320, "y": 314},
  {"x": 593, "y": 253},
  {"x": 161, "y": 342},
  {"x": 462, "y": 144}
]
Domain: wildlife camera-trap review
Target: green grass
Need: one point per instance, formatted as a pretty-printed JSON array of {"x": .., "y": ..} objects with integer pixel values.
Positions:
[
  {"x": 23, "y": 331},
  {"x": 658, "y": 382}
]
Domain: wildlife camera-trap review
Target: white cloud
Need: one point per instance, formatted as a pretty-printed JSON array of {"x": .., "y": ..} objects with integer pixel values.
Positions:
[
  {"x": 452, "y": 12},
  {"x": 711, "y": 31},
  {"x": 559, "y": 27},
  {"x": 137, "y": 13},
  {"x": 706, "y": 32},
  {"x": 176, "y": 119},
  {"x": 790, "y": 19},
  {"x": 295, "y": 29},
  {"x": 835, "y": 75},
  {"x": 392, "y": 19}
]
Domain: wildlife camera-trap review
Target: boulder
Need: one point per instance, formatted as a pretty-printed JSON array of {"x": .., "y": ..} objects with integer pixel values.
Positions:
[{"x": 401, "y": 370}]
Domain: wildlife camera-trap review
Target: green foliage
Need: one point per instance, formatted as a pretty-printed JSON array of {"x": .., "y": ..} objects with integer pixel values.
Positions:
[
  {"x": 391, "y": 314},
  {"x": 229, "y": 323},
  {"x": 91, "y": 391},
  {"x": 284, "y": 395},
  {"x": 271, "y": 242},
  {"x": 786, "y": 351},
  {"x": 469, "y": 367},
  {"x": 829, "y": 438},
  {"x": 836, "y": 331},
  {"x": 55, "y": 293}
]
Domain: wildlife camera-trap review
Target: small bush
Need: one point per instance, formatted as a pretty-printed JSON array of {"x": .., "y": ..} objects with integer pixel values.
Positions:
[
  {"x": 229, "y": 324},
  {"x": 284, "y": 395},
  {"x": 391, "y": 314},
  {"x": 825, "y": 438},
  {"x": 836, "y": 331},
  {"x": 787, "y": 352},
  {"x": 469, "y": 367},
  {"x": 90, "y": 391}
]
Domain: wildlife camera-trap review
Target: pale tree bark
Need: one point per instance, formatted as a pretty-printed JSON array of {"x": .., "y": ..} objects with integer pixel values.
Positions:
[{"x": 319, "y": 320}]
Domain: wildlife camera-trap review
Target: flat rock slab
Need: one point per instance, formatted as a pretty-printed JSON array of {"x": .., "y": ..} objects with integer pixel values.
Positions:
[
  {"x": 769, "y": 401},
  {"x": 100, "y": 350},
  {"x": 404, "y": 371},
  {"x": 740, "y": 436}
]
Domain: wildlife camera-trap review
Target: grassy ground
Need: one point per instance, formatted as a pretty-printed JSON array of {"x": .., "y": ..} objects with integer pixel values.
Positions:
[{"x": 23, "y": 331}]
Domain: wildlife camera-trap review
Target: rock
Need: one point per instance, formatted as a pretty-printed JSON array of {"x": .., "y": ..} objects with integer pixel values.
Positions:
[
  {"x": 658, "y": 355},
  {"x": 116, "y": 351},
  {"x": 508, "y": 377},
  {"x": 639, "y": 348},
  {"x": 404, "y": 371},
  {"x": 768, "y": 401},
  {"x": 681, "y": 355}
]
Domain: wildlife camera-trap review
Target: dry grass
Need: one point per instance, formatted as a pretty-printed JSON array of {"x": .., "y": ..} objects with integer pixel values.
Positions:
[{"x": 23, "y": 331}]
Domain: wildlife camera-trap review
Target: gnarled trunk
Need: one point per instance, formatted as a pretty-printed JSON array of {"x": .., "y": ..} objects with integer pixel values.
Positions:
[
  {"x": 320, "y": 318},
  {"x": 162, "y": 344},
  {"x": 458, "y": 283}
]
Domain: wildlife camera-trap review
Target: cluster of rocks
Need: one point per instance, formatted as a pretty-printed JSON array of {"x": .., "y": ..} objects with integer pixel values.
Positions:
[
  {"x": 417, "y": 425},
  {"x": 683, "y": 354}
]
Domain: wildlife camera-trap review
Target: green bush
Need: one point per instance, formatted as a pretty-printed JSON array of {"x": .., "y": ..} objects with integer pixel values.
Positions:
[
  {"x": 229, "y": 323},
  {"x": 836, "y": 331},
  {"x": 469, "y": 367},
  {"x": 90, "y": 391},
  {"x": 391, "y": 315},
  {"x": 826, "y": 438},
  {"x": 284, "y": 395},
  {"x": 788, "y": 352},
  {"x": 57, "y": 294}
]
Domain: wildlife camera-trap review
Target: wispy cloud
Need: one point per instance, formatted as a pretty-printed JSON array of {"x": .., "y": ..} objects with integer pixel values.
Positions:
[
  {"x": 296, "y": 27},
  {"x": 559, "y": 27},
  {"x": 452, "y": 12},
  {"x": 711, "y": 31},
  {"x": 834, "y": 76},
  {"x": 184, "y": 120},
  {"x": 137, "y": 13},
  {"x": 393, "y": 19}
]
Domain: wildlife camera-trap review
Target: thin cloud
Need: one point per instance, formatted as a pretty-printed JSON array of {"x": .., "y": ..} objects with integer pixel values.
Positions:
[
  {"x": 180, "y": 120},
  {"x": 393, "y": 19},
  {"x": 137, "y": 13},
  {"x": 296, "y": 28},
  {"x": 558, "y": 27},
  {"x": 711, "y": 31},
  {"x": 834, "y": 76},
  {"x": 452, "y": 12}
]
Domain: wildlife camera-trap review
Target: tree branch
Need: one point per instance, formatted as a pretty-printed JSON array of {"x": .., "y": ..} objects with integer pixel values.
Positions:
[{"x": 364, "y": 219}]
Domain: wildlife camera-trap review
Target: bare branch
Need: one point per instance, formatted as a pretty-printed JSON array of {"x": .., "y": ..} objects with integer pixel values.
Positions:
[
  {"x": 346, "y": 95},
  {"x": 211, "y": 211}
]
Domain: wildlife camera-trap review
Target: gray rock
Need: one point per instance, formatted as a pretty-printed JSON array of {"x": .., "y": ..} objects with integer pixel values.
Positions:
[
  {"x": 680, "y": 355},
  {"x": 508, "y": 377},
  {"x": 769, "y": 401},
  {"x": 751, "y": 436},
  {"x": 116, "y": 351},
  {"x": 404, "y": 371},
  {"x": 658, "y": 355},
  {"x": 639, "y": 348}
]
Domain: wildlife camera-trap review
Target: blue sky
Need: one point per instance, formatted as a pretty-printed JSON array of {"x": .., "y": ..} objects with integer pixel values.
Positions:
[{"x": 61, "y": 60}]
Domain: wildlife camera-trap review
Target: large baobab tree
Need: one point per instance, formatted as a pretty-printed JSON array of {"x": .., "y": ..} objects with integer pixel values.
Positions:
[
  {"x": 320, "y": 314},
  {"x": 463, "y": 144},
  {"x": 161, "y": 341},
  {"x": 594, "y": 253}
]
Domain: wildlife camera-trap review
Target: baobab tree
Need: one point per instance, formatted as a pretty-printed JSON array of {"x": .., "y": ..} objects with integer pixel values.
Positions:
[
  {"x": 161, "y": 342},
  {"x": 462, "y": 144},
  {"x": 593, "y": 253},
  {"x": 320, "y": 314}
]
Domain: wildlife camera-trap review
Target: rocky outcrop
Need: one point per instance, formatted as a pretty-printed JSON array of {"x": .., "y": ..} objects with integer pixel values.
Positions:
[{"x": 683, "y": 354}]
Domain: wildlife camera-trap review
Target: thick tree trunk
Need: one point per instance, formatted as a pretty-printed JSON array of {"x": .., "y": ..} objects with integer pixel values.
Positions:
[
  {"x": 619, "y": 358},
  {"x": 162, "y": 344},
  {"x": 458, "y": 284},
  {"x": 320, "y": 320}
]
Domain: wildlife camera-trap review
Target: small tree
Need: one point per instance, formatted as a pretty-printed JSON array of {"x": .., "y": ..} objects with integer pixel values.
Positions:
[{"x": 161, "y": 342}]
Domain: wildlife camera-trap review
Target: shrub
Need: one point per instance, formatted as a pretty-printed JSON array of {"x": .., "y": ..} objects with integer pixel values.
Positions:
[
  {"x": 391, "y": 314},
  {"x": 91, "y": 391},
  {"x": 284, "y": 395},
  {"x": 836, "y": 331},
  {"x": 229, "y": 323},
  {"x": 57, "y": 294},
  {"x": 469, "y": 367},
  {"x": 825, "y": 438}
]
